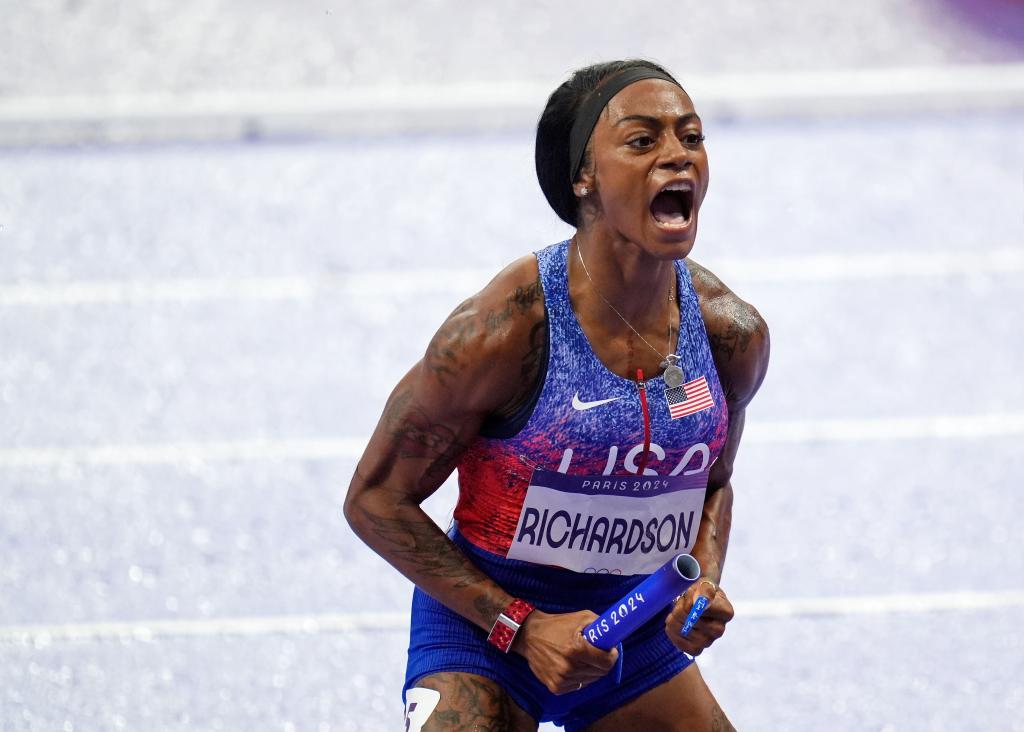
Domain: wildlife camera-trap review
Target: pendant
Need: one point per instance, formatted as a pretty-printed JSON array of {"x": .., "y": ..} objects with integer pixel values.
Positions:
[{"x": 674, "y": 375}]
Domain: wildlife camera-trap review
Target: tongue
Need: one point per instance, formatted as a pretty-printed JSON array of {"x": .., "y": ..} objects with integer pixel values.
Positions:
[{"x": 668, "y": 209}]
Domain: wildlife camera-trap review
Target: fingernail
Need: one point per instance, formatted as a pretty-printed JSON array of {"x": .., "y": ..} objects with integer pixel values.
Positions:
[{"x": 695, "y": 612}]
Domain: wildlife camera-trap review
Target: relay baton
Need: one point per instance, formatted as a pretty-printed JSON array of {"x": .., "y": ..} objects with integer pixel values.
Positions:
[{"x": 643, "y": 602}]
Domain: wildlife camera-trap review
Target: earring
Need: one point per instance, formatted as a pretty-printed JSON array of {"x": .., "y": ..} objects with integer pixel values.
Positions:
[{"x": 584, "y": 191}]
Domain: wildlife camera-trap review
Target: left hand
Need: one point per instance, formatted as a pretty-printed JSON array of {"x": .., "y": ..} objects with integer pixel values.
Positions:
[{"x": 711, "y": 625}]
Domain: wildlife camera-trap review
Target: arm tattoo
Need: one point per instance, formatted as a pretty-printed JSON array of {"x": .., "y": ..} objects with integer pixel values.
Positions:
[
  {"x": 488, "y": 608},
  {"x": 421, "y": 548},
  {"x": 417, "y": 437},
  {"x": 519, "y": 302},
  {"x": 724, "y": 345},
  {"x": 744, "y": 324},
  {"x": 529, "y": 369},
  {"x": 739, "y": 329},
  {"x": 445, "y": 353}
]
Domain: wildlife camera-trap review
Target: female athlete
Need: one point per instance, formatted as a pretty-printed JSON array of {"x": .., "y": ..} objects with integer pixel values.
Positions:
[{"x": 592, "y": 399}]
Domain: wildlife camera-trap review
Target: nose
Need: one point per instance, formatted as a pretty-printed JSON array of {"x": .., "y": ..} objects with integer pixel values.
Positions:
[{"x": 674, "y": 154}]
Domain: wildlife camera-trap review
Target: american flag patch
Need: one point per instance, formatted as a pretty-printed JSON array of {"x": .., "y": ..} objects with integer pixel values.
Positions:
[{"x": 690, "y": 398}]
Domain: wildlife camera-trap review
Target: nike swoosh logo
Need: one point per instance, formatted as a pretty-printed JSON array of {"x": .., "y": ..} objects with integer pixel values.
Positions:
[{"x": 583, "y": 406}]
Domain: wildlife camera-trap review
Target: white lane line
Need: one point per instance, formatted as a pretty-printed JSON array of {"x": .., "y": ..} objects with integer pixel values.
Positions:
[
  {"x": 882, "y": 265},
  {"x": 158, "y": 290},
  {"x": 387, "y": 109},
  {"x": 284, "y": 288},
  {"x": 881, "y": 604},
  {"x": 186, "y": 452},
  {"x": 414, "y": 283},
  {"x": 147, "y": 630},
  {"x": 966, "y": 427}
]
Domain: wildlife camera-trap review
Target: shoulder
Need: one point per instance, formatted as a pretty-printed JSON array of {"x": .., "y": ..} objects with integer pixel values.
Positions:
[
  {"x": 509, "y": 303},
  {"x": 514, "y": 297},
  {"x": 487, "y": 347},
  {"x": 737, "y": 333}
]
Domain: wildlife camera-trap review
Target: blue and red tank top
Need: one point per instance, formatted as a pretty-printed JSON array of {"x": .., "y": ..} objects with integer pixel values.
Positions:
[{"x": 564, "y": 489}]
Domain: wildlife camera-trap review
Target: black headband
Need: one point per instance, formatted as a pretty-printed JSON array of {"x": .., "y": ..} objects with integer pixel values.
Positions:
[{"x": 591, "y": 108}]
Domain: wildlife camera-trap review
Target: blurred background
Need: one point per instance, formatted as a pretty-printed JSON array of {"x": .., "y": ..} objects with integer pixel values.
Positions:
[{"x": 226, "y": 230}]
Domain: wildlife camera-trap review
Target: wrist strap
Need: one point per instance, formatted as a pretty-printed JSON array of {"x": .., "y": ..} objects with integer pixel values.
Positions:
[{"x": 507, "y": 625}]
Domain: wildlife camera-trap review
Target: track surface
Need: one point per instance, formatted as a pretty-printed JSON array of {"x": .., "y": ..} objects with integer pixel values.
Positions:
[{"x": 883, "y": 460}]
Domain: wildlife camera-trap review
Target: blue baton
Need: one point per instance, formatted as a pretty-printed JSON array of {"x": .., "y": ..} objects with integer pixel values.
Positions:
[
  {"x": 699, "y": 606},
  {"x": 643, "y": 602}
]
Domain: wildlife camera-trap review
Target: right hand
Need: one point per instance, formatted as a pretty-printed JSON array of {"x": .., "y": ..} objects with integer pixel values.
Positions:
[{"x": 558, "y": 653}]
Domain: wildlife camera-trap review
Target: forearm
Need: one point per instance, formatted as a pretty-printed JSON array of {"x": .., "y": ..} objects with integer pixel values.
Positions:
[
  {"x": 408, "y": 539},
  {"x": 713, "y": 535}
]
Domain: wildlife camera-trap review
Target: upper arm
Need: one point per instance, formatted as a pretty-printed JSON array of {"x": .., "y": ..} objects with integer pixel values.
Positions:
[
  {"x": 741, "y": 345},
  {"x": 473, "y": 367}
]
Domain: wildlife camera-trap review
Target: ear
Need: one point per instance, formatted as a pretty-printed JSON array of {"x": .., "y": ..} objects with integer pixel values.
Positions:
[{"x": 584, "y": 185}]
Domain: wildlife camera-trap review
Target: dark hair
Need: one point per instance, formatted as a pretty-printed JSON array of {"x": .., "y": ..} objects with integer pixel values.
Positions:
[{"x": 551, "y": 154}]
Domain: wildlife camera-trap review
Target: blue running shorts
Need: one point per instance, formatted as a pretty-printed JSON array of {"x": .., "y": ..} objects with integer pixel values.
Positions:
[{"x": 441, "y": 640}]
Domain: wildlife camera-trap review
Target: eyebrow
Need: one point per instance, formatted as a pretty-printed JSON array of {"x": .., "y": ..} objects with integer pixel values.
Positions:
[{"x": 655, "y": 121}]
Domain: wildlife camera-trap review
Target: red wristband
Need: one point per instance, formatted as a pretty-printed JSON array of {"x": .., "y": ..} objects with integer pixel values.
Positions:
[{"x": 507, "y": 624}]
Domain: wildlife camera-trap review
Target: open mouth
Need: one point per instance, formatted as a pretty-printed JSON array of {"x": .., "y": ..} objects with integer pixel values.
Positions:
[{"x": 673, "y": 205}]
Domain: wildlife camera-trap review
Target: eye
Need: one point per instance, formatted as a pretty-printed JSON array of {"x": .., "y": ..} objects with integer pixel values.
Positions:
[
  {"x": 641, "y": 141},
  {"x": 693, "y": 138}
]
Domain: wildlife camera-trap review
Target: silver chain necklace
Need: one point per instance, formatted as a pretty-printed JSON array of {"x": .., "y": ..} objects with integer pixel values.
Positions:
[{"x": 673, "y": 373}]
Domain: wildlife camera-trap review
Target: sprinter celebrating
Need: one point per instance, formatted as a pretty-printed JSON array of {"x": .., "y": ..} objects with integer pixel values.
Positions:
[{"x": 592, "y": 399}]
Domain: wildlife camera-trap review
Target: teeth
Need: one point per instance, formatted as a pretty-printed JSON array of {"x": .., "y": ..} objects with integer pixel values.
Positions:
[{"x": 679, "y": 186}]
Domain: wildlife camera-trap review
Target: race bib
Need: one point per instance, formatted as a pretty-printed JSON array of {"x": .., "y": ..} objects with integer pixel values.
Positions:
[{"x": 608, "y": 524}]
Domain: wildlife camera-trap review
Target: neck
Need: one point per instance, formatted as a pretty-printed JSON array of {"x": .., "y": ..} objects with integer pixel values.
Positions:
[{"x": 635, "y": 283}]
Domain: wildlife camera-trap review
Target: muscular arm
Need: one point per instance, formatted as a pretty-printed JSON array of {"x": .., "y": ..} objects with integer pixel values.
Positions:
[
  {"x": 484, "y": 360},
  {"x": 478, "y": 363},
  {"x": 740, "y": 345}
]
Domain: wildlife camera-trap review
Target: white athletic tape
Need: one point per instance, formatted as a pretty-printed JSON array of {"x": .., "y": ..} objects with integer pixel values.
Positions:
[{"x": 419, "y": 705}]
